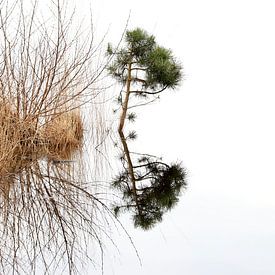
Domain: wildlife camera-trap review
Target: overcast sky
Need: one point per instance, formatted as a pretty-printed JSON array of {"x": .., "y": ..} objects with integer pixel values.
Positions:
[{"x": 220, "y": 124}]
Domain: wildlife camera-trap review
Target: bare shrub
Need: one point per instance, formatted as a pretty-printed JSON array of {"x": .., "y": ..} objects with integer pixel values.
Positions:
[{"x": 48, "y": 210}]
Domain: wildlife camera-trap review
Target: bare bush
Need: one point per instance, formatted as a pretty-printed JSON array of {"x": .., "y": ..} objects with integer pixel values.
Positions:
[{"x": 49, "y": 207}]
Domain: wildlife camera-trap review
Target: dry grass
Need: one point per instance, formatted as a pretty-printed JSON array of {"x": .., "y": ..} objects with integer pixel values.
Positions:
[
  {"x": 63, "y": 135},
  {"x": 25, "y": 141},
  {"x": 7, "y": 138},
  {"x": 49, "y": 212}
]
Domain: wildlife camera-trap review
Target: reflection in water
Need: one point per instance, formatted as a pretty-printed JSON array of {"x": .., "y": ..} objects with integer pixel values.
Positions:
[
  {"x": 49, "y": 210},
  {"x": 147, "y": 186}
]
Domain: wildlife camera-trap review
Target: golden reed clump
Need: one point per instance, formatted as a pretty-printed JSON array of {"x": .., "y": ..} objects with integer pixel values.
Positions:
[
  {"x": 23, "y": 141},
  {"x": 63, "y": 135},
  {"x": 7, "y": 146}
]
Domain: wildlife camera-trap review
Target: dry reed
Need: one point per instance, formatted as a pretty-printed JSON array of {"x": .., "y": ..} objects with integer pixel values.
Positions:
[
  {"x": 48, "y": 210},
  {"x": 63, "y": 135}
]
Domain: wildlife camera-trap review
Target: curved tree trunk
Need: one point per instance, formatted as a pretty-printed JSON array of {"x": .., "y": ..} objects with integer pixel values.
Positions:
[{"x": 123, "y": 139}]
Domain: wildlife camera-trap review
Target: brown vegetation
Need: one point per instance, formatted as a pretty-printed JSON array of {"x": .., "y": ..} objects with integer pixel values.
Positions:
[
  {"x": 48, "y": 209},
  {"x": 25, "y": 141},
  {"x": 63, "y": 136}
]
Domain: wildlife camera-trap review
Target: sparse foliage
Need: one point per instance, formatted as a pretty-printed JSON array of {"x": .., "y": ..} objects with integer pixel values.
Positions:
[
  {"x": 158, "y": 187},
  {"x": 152, "y": 187},
  {"x": 152, "y": 67}
]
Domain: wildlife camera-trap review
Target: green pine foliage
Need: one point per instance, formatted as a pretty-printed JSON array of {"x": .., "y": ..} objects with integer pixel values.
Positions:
[
  {"x": 151, "y": 187},
  {"x": 131, "y": 117},
  {"x": 158, "y": 189},
  {"x": 139, "y": 44},
  {"x": 163, "y": 70},
  {"x": 132, "y": 135},
  {"x": 155, "y": 65}
]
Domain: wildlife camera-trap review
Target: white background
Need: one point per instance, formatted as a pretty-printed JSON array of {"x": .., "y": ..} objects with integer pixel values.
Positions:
[{"x": 220, "y": 124}]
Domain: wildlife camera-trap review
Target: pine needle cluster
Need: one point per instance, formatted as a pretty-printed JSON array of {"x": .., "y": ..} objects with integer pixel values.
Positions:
[
  {"x": 158, "y": 187},
  {"x": 153, "y": 66}
]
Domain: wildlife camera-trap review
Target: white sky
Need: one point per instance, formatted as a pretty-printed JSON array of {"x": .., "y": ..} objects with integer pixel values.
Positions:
[{"x": 220, "y": 124}]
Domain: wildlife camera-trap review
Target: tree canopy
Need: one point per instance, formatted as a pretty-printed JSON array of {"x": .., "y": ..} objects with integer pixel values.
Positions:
[
  {"x": 150, "y": 187},
  {"x": 158, "y": 186},
  {"x": 152, "y": 66}
]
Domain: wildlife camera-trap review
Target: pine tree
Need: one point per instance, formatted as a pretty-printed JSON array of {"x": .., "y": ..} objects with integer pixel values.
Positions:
[
  {"x": 144, "y": 62},
  {"x": 152, "y": 187}
]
